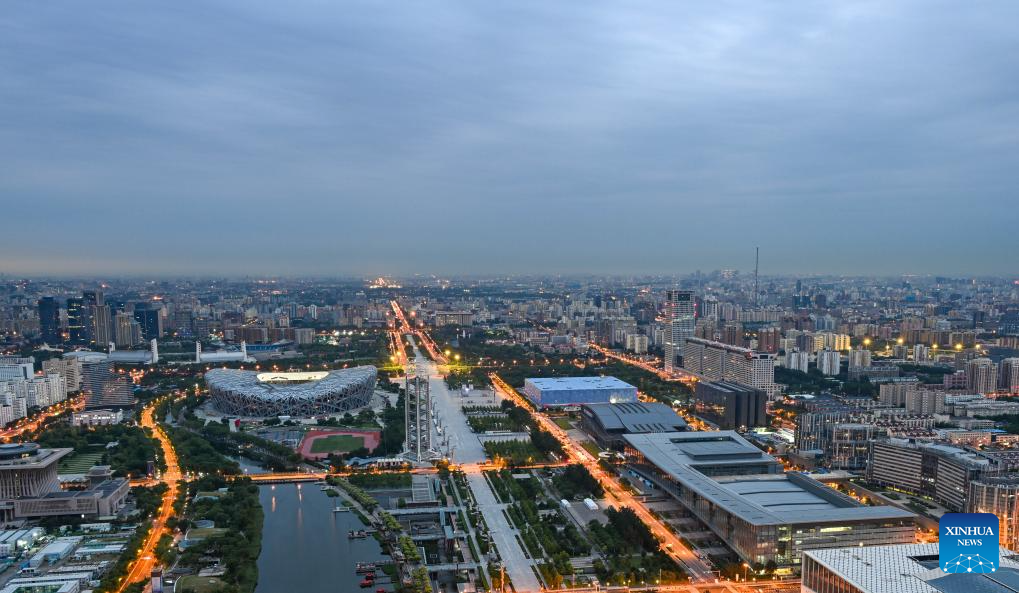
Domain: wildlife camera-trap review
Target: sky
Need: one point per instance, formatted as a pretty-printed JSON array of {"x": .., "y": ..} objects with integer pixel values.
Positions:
[{"x": 335, "y": 137}]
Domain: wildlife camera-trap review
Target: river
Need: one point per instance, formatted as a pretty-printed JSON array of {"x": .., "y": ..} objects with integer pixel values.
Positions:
[{"x": 305, "y": 546}]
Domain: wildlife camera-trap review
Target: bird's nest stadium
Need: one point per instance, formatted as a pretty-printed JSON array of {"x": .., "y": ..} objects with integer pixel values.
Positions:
[{"x": 254, "y": 394}]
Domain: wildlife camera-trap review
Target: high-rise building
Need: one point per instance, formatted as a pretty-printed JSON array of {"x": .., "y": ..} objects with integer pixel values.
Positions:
[
  {"x": 636, "y": 343},
  {"x": 937, "y": 471},
  {"x": 150, "y": 319},
  {"x": 921, "y": 354},
  {"x": 829, "y": 362},
  {"x": 102, "y": 327},
  {"x": 16, "y": 368},
  {"x": 731, "y": 406},
  {"x": 91, "y": 300},
  {"x": 76, "y": 320},
  {"x": 128, "y": 331},
  {"x": 797, "y": 361},
  {"x": 859, "y": 357},
  {"x": 768, "y": 339},
  {"x": 998, "y": 496},
  {"x": 1008, "y": 375},
  {"x": 68, "y": 368},
  {"x": 680, "y": 316},
  {"x": 832, "y": 341},
  {"x": 981, "y": 375},
  {"x": 38, "y": 392},
  {"x": 732, "y": 334},
  {"x": 925, "y": 401},
  {"x": 893, "y": 392},
  {"x": 722, "y": 362},
  {"x": 49, "y": 320}
]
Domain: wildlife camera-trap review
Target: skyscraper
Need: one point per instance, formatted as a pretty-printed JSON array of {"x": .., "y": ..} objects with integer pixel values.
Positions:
[
  {"x": 96, "y": 320},
  {"x": 127, "y": 332},
  {"x": 49, "y": 320},
  {"x": 981, "y": 375},
  {"x": 76, "y": 321},
  {"x": 680, "y": 315},
  {"x": 148, "y": 317},
  {"x": 1008, "y": 375},
  {"x": 828, "y": 362},
  {"x": 102, "y": 327}
]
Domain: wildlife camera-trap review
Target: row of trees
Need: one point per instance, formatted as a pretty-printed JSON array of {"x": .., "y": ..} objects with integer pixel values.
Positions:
[
  {"x": 576, "y": 482},
  {"x": 239, "y": 512},
  {"x": 134, "y": 448}
]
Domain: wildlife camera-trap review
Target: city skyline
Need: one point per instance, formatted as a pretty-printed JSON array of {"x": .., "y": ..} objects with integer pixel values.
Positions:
[
  {"x": 533, "y": 429},
  {"x": 871, "y": 138},
  {"x": 530, "y": 297}
]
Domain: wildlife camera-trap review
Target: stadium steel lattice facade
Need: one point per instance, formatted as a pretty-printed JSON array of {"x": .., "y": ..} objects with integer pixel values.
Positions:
[{"x": 254, "y": 394}]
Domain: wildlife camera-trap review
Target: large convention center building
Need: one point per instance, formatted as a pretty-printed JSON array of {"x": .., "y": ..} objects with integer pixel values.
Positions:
[
  {"x": 258, "y": 395},
  {"x": 912, "y": 568},
  {"x": 760, "y": 512}
]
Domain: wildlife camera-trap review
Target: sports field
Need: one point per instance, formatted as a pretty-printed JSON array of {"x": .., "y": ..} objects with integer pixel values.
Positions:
[
  {"x": 342, "y": 443},
  {"x": 318, "y": 444}
]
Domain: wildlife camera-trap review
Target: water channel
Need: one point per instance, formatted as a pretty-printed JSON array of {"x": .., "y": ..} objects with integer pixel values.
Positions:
[{"x": 305, "y": 545}]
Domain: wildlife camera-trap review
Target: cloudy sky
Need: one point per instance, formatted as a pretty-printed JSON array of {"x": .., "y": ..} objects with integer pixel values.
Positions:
[{"x": 334, "y": 137}]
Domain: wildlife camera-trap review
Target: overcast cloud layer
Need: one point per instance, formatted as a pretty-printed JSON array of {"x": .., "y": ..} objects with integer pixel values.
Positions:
[{"x": 331, "y": 137}]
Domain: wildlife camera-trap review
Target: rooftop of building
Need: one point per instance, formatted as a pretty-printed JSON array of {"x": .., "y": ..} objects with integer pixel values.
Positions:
[
  {"x": 636, "y": 417},
  {"x": 87, "y": 356},
  {"x": 964, "y": 456},
  {"x": 577, "y": 383},
  {"x": 18, "y": 450},
  {"x": 727, "y": 386},
  {"x": 102, "y": 490},
  {"x": 28, "y": 456},
  {"x": 131, "y": 356},
  {"x": 294, "y": 385},
  {"x": 913, "y": 568},
  {"x": 758, "y": 497}
]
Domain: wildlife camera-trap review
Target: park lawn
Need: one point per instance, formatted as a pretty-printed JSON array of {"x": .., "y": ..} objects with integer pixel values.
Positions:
[
  {"x": 564, "y": 423},
  {"x": 337, "y": 442},
  {"x": 199, "y": 584}
]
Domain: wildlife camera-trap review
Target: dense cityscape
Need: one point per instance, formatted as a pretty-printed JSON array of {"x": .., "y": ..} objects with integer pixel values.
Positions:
[
  {"x": 509, "y": 297},
  {"x": 718, "y": 431}
]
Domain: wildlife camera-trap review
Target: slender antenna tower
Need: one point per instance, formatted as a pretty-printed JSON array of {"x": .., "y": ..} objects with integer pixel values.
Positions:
[{"x": 757, "y": 266}]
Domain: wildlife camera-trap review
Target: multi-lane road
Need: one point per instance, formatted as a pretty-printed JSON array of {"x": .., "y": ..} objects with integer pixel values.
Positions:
[
  {"x": 466, "y": 451},
  {"x": 145, "y": 559},
  {"x": 698, "y": 570},
  {"x": 679, "y": 375},
  {"x": 31, "y": 424}
]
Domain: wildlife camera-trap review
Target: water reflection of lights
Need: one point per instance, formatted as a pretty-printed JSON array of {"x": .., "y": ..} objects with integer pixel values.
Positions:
[{"x": 273, "y": 506}]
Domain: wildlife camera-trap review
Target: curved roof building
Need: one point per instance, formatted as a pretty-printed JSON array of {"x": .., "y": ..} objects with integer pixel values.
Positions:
[{"x": 250, "y": 393}]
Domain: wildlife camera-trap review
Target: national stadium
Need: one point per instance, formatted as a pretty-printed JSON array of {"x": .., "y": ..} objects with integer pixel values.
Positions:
[{"x": 255, "y": 394}]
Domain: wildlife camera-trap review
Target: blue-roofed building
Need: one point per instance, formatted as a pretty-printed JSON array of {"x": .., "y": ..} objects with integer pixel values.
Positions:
[{"x": 576, "y": 391}]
